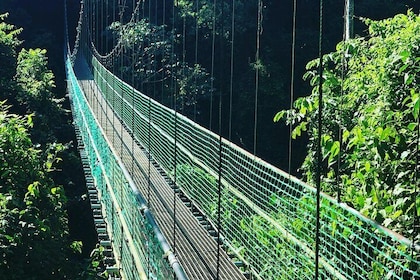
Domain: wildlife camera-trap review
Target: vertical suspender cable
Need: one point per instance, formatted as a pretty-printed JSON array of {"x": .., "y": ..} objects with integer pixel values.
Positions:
[
  {"x": 162, "y": 90},
  {"x": 105, "y": 51},
  {"x": 348, "y": 17},
  {"x": 184, "y": 23},
  {"x": 143, "y": 9},
  {"x": 150, "y": 11},
  {"x": 121, "y": 130},
  {"x": 99, "y": 44},
  {"x": 96, "y": 24},
  {"x": 133, "y": 127},
  {"x": 212, "y": 65},
  {"x": 347, "y": 34},
  {"x": 149, "y": 126},
  {"x": 220, "y": 155},
  {"x": 319, "y": 156},
  {"x": 114, "y": 42},
  {"x": 133, "y": 103},
  {"x": 232, "y": 60},
  {"x": 292, "y": 84},
  {"x": 219, "y": 192},
  {"x": 257, "y": 73},
  {"x": 102, "y": 27},
  {"x": 416, "y": 220},
  {"x": 174, "y": 89},
  {"x": 149, "y": 161},
  {"x": 122, "y": 94},
  {"x": 196, "y": 60},
  {"x": 106, "y": 26}
]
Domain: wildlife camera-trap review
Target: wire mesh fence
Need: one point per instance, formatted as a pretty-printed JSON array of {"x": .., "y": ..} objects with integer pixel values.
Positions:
[
  {"x": 268, "y": 217},
  {"x": 137, "y": 250}
]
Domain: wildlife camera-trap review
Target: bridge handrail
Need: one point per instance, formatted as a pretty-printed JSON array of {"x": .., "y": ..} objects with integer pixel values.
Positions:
[
  {"x": 142, "y": 205},
  {"x": 261, "y": 187}
]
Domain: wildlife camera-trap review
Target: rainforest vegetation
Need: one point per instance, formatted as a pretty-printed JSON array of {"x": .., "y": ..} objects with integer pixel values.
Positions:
[
  {"x": 38, "y": 167},
  {"x": 370, "y": 133}
]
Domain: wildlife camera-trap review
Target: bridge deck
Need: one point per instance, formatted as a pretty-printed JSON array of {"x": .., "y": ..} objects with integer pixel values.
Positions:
[{"x": 195, "y": 248}]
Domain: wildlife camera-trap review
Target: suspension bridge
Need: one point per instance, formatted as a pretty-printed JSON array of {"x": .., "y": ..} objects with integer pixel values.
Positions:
[{"x": 173, "y": 200}]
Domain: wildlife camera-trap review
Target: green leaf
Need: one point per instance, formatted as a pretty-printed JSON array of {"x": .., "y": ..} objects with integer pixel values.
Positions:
[
  {"x": 412, "y": 126},
  {"x": 9, "y": 237},
  {"x": 408, "y": 78},
  {"x": 279, "y": 116},
  {"x": 367, "y": 166},
  {"x": 33, "y": 189},
  {"x": 397, "y": 214},
  {"x": 402, "y": 69},
  {"x": 405, "y": 54},
  {"x": 405, "y": 154},
  {"x": 416, "y": 107}
]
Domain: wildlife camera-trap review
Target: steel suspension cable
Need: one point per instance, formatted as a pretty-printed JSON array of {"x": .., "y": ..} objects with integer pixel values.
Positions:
[
  {"x": 149, "y": 142},
  {"x": 133, "y": 104},
  {"x": 196, "y": 61},
  {"x": 149, "y": 157},
  {"x": 107, "y": 24},
  {"x": 122, "y": 107},
  {"x": 175, "y": 116},
  {"x": 220, "y": 153},
  {"x": 79, "y": 31},
  {"x": 96, "y": 23},
  {"x": 257, "y": 72},
  {"x": 117, "y": 49},
  {"x": 150, "y": 11},
  {"x": 105, "y": 38},
  {"x": 133, "y": 128},
  {"x": 102, "y": 26},
  {"x": 149, "y": 136},
  {"x": 292, "y": 84},
  {"x": 319, "y": 155},
  {"x": 143, "y": 9},
  {"x": 232, "y": 61},
  {"x": 184, "y": 23},
  {"x": 213, "y": 43},
  {"x": 346, "y": 36},
  {"x": 113, "y": 102},
  {"x": 113, "y": 78},
  {"x": 416, "y": 219},
  {"x": 162, "y": 90}
]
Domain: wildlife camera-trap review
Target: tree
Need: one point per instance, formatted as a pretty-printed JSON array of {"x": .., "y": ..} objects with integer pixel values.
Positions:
[
  {"x": 33, "y": 227},
  {"x": 36, "y": 84},
  {"x": 8, "y": 44},
  {"x": 370, "y": 122},
  {"x": 148, "y": 50},
  {"x": 34, "y": 241}
]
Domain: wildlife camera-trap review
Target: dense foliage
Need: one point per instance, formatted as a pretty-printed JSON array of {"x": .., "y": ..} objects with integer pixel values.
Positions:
[
  {"x": 34, "y": 234},
  {"x": 33, "y": 226},
  {"x": 148, "y": 59},
  {"x": 370, "y": 131}
]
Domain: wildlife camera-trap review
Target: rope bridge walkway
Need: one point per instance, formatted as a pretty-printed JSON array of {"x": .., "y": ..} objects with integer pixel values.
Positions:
[
  {"x": 268, "y": 216},
  {"x": 173, "y": 200}
]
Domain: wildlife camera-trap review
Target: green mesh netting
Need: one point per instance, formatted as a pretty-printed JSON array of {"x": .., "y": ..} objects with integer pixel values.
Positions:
[
  {"x": 135, "y": 245},
  {"x": 268, "y": 217}
]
